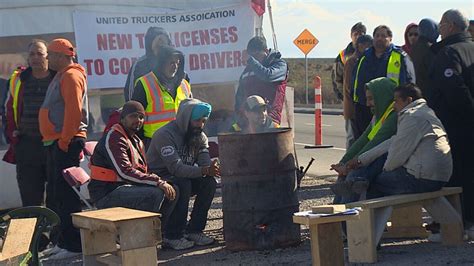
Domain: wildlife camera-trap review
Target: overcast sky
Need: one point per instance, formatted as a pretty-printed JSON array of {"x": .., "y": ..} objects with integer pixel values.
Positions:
[{"x": 331, "y": 21}]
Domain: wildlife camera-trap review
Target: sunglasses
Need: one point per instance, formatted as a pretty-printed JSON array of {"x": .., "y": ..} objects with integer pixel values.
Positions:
[{"x": 413, "y": 34}]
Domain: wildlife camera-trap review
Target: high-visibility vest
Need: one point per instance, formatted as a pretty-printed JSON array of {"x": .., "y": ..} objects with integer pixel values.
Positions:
[
  {"x": 375, "y": 129},
  {"x": 342, "y": 55},
  {"x": 393, "y": 70},
  {"x": 14, "y": 90},
  {"x": 109, "y": 175},
  {"x": 161, "y": 107}
]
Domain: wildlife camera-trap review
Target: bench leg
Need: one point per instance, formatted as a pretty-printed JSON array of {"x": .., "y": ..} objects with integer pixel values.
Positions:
[
  {"x": 327, "y": 247},
  {"x": 96, "y": 242},
  {"x": 450, "y": 219},
  {"x": 364, "y": 234},
  {"x": 406, "y": 223}
]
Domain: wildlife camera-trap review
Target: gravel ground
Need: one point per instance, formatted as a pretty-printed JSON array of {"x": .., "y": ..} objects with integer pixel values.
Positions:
[{"x": 314, "y": 191}]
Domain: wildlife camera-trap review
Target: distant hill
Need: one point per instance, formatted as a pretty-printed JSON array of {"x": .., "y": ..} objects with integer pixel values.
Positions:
[{"x": 316, "y": 66}]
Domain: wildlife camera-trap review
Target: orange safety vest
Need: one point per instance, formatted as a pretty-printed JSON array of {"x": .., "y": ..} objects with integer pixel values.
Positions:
[{"x": 110, "y": 175}]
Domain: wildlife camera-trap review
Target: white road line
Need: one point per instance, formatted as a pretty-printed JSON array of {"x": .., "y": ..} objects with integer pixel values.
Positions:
[
  {"x": 312, "y": 124},
  {"x": 305, "y": 144}
]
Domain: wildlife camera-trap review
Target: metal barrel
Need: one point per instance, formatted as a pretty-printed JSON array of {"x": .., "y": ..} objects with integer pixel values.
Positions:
[{"x": 259, "y": 190}]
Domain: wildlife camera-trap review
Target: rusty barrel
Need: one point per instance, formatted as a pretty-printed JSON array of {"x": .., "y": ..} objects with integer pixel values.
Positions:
[{"x": 259, "y": 190}]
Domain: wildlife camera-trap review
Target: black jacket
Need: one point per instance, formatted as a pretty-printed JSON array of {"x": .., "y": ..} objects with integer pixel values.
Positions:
[{"x": 453, "y": 85}]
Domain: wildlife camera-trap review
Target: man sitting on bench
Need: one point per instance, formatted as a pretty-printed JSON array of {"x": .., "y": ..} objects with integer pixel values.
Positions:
[
  {"x": 417, "y": 159},
  {"x": 119, "y": 171}
]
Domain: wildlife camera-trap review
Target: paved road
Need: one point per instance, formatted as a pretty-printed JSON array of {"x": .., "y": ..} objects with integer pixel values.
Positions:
[{"x": 333, "y": 134}]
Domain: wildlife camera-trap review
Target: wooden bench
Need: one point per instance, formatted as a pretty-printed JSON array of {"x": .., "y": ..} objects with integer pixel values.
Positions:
[
  {"x": 137, "y": 233},
  {"x": 364, "y": 234},
  {"x": 16, "y": 248},
  {"x": 327, "y": 247}
]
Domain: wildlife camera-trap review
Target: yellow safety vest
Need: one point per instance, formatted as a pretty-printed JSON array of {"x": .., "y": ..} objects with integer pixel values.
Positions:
[
  {"x": 14, "y": 89},
  {"x": 393, "y": 70},
  {"x": 161, "y": 107},
  {"x": 375, "y": 129},
  {"x": 342, "y": 54}
]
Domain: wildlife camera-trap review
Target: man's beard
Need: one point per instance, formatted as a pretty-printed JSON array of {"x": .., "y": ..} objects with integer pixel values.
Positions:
[{"x": 193, "y": 137}]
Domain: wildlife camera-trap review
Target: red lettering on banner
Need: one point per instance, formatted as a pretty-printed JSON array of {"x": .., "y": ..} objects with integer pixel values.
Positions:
[
  {"x": 141, "y": 40},
  {"x": 223, "y": 32},
  {"x": 88, "y": 63},
  {"x": 113, "y": 69},
  {"x": 216, "y": 60},
  {"x": 99, "y": 67},
  {"x": 112, "y": 41},
  {"x": 205, "y": 37},
  {"x": 233, "y": 34}
]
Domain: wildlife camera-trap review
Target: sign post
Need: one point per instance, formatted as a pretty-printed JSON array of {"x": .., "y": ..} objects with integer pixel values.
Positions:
[{"x": 306, "y": 42}]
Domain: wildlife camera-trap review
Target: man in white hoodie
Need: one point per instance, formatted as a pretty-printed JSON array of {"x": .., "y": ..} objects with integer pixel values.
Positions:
[{"x": 416, "y": 159}]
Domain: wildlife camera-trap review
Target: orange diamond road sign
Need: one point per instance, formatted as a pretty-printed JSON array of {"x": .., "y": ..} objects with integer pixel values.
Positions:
[{"x": 306, "y": 41}]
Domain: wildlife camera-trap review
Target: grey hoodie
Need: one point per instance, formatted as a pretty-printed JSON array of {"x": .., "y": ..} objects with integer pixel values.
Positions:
[{"x": 169, "y": 156}]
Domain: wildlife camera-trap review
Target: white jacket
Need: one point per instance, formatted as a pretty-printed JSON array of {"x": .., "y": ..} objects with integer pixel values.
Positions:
[{"x": 420, "y": 145}]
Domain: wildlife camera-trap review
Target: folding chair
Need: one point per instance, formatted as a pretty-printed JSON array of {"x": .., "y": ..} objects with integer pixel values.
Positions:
[{"x": 76, "y": 177}]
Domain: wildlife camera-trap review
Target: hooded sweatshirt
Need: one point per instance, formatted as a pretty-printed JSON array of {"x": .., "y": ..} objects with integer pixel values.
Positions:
[
  {"x": 407, "y": 46},
  {"x": 169, "y": 156},
  {"x": 382, "y": 90},
  {"x": 64, "y": 112},
  {"x": 145, "y": 63}
]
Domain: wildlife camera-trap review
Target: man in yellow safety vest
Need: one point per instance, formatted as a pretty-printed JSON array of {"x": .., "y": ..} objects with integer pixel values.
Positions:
[
  {"x": 161, "y": 91},
  {"x": 382, "y": 60}
]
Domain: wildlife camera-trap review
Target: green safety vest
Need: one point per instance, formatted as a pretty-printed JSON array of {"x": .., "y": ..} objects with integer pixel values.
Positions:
[
  {"x": 375, "y": 129},
  {"x": 14, "y": 89},
  {"x": 161, "y": 108},
  {"x": 393, "y": 70}
]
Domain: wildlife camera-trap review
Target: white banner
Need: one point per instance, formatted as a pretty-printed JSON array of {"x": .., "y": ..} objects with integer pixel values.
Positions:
[{"x": 213, "y": 42}]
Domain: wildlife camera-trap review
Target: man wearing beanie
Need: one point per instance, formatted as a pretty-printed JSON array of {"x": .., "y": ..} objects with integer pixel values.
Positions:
[
  {"x": 63, "y": 123},
  {"x": 179, "y": 154},
  {"x": 422, "y": 55},
  {"x": 119, "y": 171}
]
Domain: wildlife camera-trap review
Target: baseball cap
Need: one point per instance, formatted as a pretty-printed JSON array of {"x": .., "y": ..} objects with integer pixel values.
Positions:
[
  {"x": 253, "y": 102},
  {"x": 61, "y": 46}
]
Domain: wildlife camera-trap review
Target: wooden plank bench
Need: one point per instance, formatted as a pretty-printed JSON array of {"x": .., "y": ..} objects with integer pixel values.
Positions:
[
  {"x": 17, "y": 241},
  {"x": 138, "y": 233},
  {"x": 327, "y": 247},
  {"x": 364, "y": 234}
]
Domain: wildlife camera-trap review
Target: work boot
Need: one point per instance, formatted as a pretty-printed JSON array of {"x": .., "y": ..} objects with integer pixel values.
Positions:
[{"x": 342, "y": 188}]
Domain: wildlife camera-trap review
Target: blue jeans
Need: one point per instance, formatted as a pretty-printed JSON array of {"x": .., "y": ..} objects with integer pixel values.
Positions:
[
  {"x": 144, "y": 198},
  {"x": 366, "y": 173},
  {"x": 204, "y": 189},
  {"x": 398, "y": 182}
]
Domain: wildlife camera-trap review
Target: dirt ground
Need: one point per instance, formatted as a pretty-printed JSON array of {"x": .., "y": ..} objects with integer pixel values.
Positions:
[{"x": 314, "y": 191}]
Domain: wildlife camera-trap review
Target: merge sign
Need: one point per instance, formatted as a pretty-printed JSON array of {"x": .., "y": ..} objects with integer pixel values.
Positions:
[{"x": 306, "y": 41}]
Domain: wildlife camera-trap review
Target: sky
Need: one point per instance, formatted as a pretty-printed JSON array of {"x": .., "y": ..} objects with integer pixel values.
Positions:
[{"x": 330, "y": 21}]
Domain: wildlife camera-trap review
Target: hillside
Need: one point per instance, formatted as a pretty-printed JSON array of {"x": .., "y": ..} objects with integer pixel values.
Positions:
[{"x": 316, "y": 66}]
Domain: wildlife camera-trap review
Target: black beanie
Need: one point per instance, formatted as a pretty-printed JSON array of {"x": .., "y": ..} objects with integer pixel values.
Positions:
[{"x": 132, "y": 107}]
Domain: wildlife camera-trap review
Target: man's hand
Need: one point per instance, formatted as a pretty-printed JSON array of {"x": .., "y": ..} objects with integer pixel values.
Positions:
[
  {"x": 353, "y": 164},
  {"x": 170, "y": 193},
  {"x": 214, "y": 169},
  {"x": 340, "y": 168}
]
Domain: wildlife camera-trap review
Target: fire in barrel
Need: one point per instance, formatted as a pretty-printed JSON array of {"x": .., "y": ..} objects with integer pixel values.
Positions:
[{"x": 259, "y": 190}]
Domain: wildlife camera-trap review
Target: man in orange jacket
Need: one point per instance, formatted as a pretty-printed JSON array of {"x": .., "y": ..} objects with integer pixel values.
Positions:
[{"x": 63, "y": 123}]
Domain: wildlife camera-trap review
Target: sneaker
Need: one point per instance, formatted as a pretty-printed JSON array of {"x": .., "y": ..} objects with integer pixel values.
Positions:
[
  {"x": 200, "y": 239},
  {"x": 436, "y": 238},
  {"x": 49, "y": 251},
  {"x": 177, "y": 244},
  {"x": 63, "y": 254}
]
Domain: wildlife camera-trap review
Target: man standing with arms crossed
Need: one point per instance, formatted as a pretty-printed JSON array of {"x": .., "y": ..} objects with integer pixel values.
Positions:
[{"x": 63, "y": 124}]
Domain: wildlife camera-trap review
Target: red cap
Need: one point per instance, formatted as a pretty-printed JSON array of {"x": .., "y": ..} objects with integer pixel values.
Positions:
[{"x": 61, "y": 46}]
